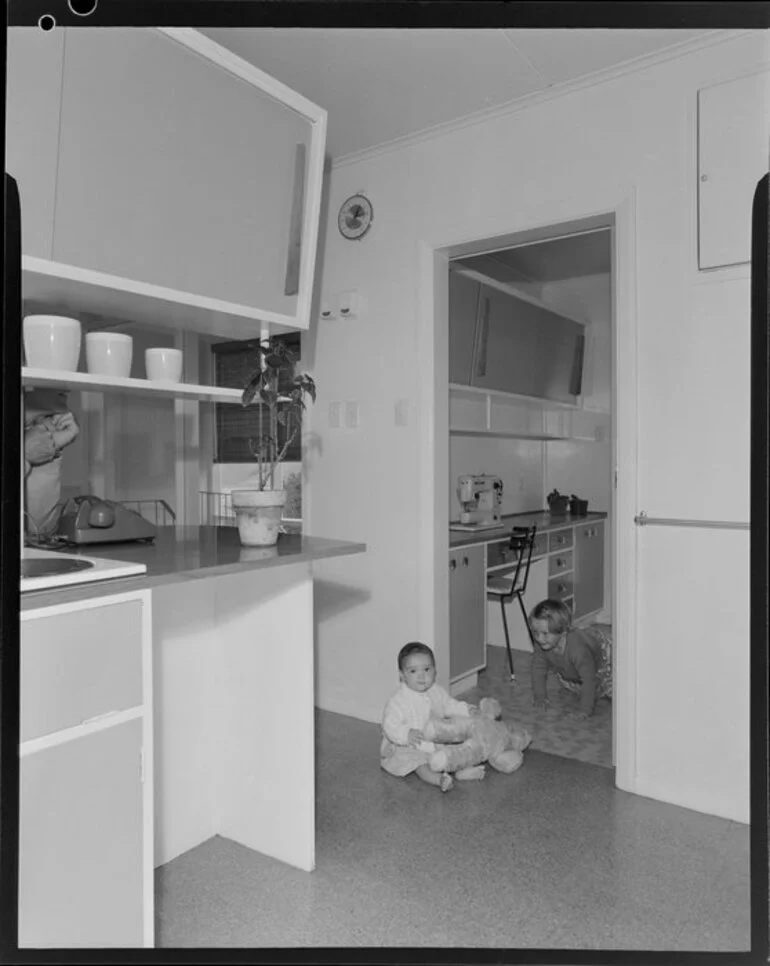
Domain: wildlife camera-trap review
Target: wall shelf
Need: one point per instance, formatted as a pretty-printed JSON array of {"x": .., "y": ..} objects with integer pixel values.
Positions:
[
  {"x": 536, "y": 402},
  {"x": 481, "y": 413},
  {"x": 58, "y": 289},
  {"x": 86, "y": 382}
]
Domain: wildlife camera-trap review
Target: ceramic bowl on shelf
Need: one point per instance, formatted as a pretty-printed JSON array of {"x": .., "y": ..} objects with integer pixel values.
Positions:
[
  {"x": 52, "y": 342},
  {"x": 109, "y": 353},
  {"x": 163, "y": 365}
]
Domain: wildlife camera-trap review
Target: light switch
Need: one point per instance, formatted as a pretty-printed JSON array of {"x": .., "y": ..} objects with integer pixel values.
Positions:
[
  {"x": 351, "y": 415},
  {"x": 334, "y": 415}
]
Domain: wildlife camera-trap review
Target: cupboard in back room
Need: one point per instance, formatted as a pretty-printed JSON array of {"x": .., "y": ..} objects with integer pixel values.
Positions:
[{"x": 530, "y": 401}]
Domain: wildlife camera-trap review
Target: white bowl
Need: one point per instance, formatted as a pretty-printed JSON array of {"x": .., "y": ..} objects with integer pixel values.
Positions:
[
  {"x": 163, "y": 365},
  {"x": 52, "y": 342},
  {"x": 109, "y": 353}
]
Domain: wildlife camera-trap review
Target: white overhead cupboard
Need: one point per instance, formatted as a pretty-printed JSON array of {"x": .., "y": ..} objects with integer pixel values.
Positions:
[{"x": 163, "y": 180}]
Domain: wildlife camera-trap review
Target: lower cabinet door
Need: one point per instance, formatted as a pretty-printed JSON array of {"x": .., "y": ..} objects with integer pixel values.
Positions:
[
  {"x": 589, "y": 569},
  {"x": 81, "y": 842},
  {"x": 467, "y": 600}
]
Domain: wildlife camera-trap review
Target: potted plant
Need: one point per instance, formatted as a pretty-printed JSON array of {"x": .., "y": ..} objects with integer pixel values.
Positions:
[{"x": 279, "y": 393}]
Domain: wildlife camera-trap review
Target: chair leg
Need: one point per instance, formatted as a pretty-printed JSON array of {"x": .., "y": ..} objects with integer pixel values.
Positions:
[
  {"x": 507, "y": 639},
  {"x": 526, "y": 620}
]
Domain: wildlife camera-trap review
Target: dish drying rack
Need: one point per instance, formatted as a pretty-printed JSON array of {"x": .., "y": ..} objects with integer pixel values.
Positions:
[
  {"x": 216, "y": 508},
  {"x": 156, "y": 511}
]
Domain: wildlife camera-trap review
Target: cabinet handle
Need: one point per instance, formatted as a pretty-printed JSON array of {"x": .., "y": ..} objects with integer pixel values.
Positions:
[
  {"x": 559, "y": 540},
  {"x": 465, "y": 561},
  {"x": 560, "y": 562},
  {"x": 481, "y": 365},
  {"x": 98, "y": 717},
  {"x": 452, "y": 564},
  {"x": 294, "y": 254},
  {"x": 561, "y": 588}
]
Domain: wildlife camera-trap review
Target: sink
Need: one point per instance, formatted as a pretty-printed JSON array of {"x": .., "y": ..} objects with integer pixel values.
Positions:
[
  {"x": 33, "y": 567},
  {"x": 48, "y": 569}
]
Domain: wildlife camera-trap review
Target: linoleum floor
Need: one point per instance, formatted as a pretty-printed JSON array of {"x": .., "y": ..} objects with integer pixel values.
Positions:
[
  {"x": 551, "y": 729},
  {"x": 553, "y": 857}
]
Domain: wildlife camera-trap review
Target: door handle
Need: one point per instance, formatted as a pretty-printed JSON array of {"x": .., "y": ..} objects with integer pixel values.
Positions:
[{"x": 481, "y": 365}]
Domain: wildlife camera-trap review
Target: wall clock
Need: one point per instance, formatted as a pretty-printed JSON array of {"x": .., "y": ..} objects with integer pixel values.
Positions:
[{"x": 355, "y": 217}]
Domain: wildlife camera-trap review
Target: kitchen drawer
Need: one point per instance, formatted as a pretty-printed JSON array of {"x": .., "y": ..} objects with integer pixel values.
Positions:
[
  {"x": 559, "y": 588},
  {"x": 560, "y": 563},
  {"x": 498, "y": 552},
  {"x": 590, "y": 531},
  {"x": 79, "y": 665},
  {"x": 560, "y": 539}
]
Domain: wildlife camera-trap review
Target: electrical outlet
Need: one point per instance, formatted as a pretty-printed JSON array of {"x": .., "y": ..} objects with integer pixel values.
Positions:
[
  {"x": 334, "y": 415},
  {"x": 351, "y": 415}
]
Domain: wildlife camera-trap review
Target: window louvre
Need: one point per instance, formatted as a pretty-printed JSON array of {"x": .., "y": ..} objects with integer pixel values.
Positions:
[{"x": 235, "y": 426}]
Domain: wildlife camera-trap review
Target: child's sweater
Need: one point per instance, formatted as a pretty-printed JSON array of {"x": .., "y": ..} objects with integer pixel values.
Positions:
[{"x": 579, "y": 662}]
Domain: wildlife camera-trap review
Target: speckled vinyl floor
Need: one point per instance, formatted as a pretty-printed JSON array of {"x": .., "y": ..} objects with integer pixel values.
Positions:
[
  {"x": 551, "y": 857},
  {"x": 552, "y": 731}
]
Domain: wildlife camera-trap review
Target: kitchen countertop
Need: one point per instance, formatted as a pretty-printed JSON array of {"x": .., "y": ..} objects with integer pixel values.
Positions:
[
  {"x": 544, "y": 520},
  {"x": 181, "y": 553}
]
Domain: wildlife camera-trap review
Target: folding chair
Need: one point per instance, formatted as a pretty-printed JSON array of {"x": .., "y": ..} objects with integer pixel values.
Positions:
[{"x": 514, "y": 584}]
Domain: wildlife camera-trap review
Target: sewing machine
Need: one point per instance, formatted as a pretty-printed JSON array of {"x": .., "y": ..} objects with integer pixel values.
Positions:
[{"x": 481, "y": 498}]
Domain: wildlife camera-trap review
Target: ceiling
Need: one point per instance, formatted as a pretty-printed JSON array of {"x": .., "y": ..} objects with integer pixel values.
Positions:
[
  {"x": 382, "y": 84},
  {"x": 571, "y": 256}
]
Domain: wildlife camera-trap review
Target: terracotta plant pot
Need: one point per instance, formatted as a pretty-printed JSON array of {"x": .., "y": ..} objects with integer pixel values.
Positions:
[{"x": 258, "y": 515}]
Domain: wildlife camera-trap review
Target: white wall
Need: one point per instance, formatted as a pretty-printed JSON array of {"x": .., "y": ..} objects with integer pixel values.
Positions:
[{"x": 633, "y": 136}]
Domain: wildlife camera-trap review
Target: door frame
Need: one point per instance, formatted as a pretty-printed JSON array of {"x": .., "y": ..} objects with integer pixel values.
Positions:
[{"x": 618, "y": 212}]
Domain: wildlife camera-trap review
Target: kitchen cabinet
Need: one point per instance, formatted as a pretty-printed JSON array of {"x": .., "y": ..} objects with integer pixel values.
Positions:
[
  {"x": 185, "y": 169},
  {"x": 85, "y": 806},
  {"x": 467, "y": 596},
  {"x": 33, "y": 100},
  {"x": 567, "y": 565},
  {"x": 181, "y": 185},
  {"x": 80, "y": 842},
  {"x": 525, "y": 348},
  {"x": 463, "y": 312},
  {"x": 733, "y": 154},
  {"x": 589, "y": 569}
]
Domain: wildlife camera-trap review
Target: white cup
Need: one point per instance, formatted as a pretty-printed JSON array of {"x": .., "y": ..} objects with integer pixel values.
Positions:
[
  {"x": 52, "y": 342},
  {"x": 163, "y": 365},
  {"x": 109, "y": 353}
]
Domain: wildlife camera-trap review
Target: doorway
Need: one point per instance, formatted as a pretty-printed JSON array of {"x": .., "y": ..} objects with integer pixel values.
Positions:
[
  {"x": 516, "y": 253},
  {"x": 546, "y": 393}
]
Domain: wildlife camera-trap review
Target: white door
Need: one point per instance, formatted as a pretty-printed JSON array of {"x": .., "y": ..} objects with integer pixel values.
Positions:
[{"x": 692, "y": 625}]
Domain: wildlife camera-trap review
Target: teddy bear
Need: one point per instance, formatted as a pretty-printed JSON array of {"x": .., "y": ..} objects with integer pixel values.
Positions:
[{"x": 466, "y": 742}]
